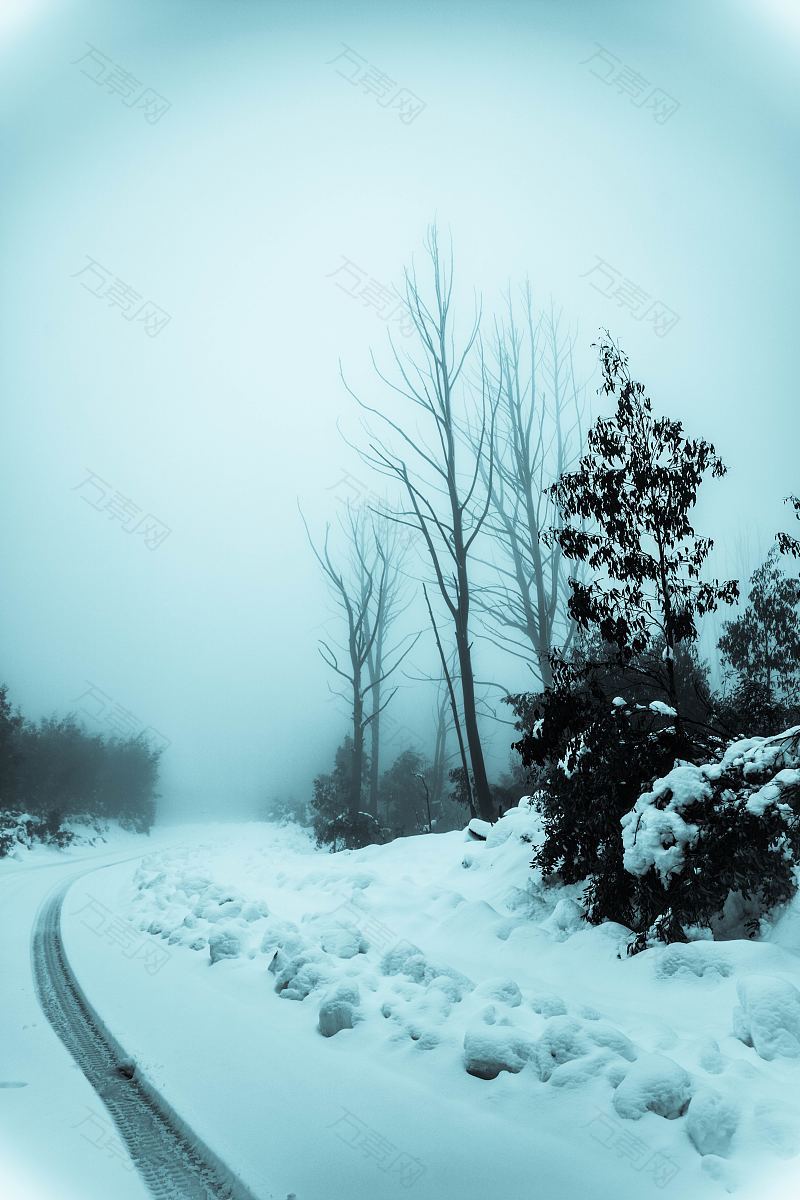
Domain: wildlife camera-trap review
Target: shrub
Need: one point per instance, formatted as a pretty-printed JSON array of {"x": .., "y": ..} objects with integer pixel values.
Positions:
[
  {"x": 659, "y": 843},
  {"x": 705, "y": 833},
  {"x": 595, "y": 756}
]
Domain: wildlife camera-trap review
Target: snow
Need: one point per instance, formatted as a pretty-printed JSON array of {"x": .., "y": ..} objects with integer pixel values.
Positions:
[
  {"x": 654, "y": 834},
  {"x": 654, "y": 1084},
  {"x": 768, "y": 1016},
  {"x": 56, "y": 1142},
  {"x": 711, "y": 1121},
  {"x": 433, "y": 997}
]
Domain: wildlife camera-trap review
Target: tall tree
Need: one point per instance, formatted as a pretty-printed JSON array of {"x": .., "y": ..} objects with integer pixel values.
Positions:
[
  {"x": 439, "y": 470},
  {"x": 443, "y": 725},
  {"x": 538, "y": 436},
  {"x": 761, "y": 647},
  {"x": 360, "y": 588},
  {"x": 625, "y": 515},
  {"x": 388, "y": 603}
]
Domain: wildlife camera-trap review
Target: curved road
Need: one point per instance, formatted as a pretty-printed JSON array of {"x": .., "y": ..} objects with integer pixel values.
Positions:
[
  {"x": 173, "y": 1162},
  {"x": 46, "y": 1088}
]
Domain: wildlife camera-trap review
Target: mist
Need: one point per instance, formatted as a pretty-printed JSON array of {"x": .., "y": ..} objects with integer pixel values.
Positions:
[{"x": 233, "y": 212}]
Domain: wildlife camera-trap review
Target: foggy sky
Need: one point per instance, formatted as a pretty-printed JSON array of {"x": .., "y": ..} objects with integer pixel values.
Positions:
[{"x": 232, "y": 213}]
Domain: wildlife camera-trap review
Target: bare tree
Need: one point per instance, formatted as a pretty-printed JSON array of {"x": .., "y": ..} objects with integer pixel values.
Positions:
[
  {"x": 388, "y": 604},
  {"x": 538, "y": 438},
  {"x": 439, "y": 472},
  {"x": 360, "y": 590},
  {"x": 447, "y": 676},
  {"x": 442, "y": 729}
]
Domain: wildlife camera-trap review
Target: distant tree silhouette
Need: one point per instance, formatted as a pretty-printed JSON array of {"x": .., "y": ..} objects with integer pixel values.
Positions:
[{"x": 625, "y": 517}]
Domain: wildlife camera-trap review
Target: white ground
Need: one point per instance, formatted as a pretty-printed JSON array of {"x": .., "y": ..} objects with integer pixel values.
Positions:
[{"x": 445, "y": 941}]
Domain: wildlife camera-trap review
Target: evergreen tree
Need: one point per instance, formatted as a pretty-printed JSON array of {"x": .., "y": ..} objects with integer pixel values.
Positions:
[
  {"x": 761, "y": 651},
  {"x": 334, "y": 821},
  {"x": 402, "y": 794},
  {"x": 626, "y": 516}
]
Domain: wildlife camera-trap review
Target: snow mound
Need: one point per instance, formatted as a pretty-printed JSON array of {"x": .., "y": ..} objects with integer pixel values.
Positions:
[
  {"x": 298, "y": 976},
  {"x": 547, "y": 1004},
  {"x": 563, "y": 1039},
  {"x": 224, "y": 944},
  {"x": 700, "y": 959},
  {"x": 504, "y": 990},
  {"x": 655, "y": 1084},
  {"x": 711, "y": 1122},
  {"x": 339, "y": 1010},
  {"x": 490, "y": 1049},
  {"x": 768, "y": 1016},
  {"x": 565, "y": 919}
]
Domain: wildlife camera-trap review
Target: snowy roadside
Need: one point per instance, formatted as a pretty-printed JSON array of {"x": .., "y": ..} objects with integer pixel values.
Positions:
[
  {"x": 56, "y": 1140},
  {"x": 98, "y": 837},
  {"x": 422, "y": 958}
]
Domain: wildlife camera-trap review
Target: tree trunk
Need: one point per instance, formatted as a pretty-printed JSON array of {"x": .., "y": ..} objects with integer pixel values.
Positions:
[
  {"x": 483, "y": 795},
  {"x": 358, "y": 751},
  {"x": 374, "y": 743}
]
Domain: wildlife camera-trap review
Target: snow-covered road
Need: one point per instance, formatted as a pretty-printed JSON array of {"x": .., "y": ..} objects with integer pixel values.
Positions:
[
  {"x": 166, "y": 1153},
  {"x": 50, "y": 1116},
  {"x": 386, "y": 1108}
]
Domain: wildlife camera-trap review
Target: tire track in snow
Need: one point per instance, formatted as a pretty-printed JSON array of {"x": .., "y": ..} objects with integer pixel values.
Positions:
[{"x": 173, "y": 1162}]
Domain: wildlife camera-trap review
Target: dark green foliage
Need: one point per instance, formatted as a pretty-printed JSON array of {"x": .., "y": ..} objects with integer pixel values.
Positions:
[
  {"x": 334, "y": 822},
  {"x": 761, "y": 653},
  {"x": 751, "y": 855},
  {"x": 22, "y": 830},
  {"x": 595, "y": 758},
  {"x": 10, "y": 723},
  {"x": 633, "y": 696},
  {"x": 512, "y": 785},
  {"x": 401, "y": 794},
  {"x": 625, "y": 516},
  {"x": 54, "y": 769}
]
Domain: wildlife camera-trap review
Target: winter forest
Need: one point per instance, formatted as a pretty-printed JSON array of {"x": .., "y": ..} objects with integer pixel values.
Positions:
[{"x": 465, "y": 714}]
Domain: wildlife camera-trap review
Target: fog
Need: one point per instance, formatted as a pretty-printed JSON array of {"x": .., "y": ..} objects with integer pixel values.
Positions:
[{"x": 233, "y": 213}]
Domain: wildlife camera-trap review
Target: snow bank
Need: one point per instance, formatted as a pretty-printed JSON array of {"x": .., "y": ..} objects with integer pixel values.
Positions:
[
  {"x": 439, "y": 955},
  {"x": 768, "y": 1016}
]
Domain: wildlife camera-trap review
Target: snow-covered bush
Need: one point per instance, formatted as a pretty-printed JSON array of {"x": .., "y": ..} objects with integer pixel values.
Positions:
[
  {"x": 22, "y": 829},
  {"x": 661, "y": 844},
  {"x": 703, "y": 834},
  {"x": 595, "y": 757}
]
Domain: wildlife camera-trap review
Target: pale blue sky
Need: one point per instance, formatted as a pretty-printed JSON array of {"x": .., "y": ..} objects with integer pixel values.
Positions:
[{"x": 232, "y": 211}]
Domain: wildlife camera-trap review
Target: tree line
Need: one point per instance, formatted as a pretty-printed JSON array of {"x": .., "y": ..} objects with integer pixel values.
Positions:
[
  {"x": 54, "y": 769},
  {"x": 566, "y": 542}
]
